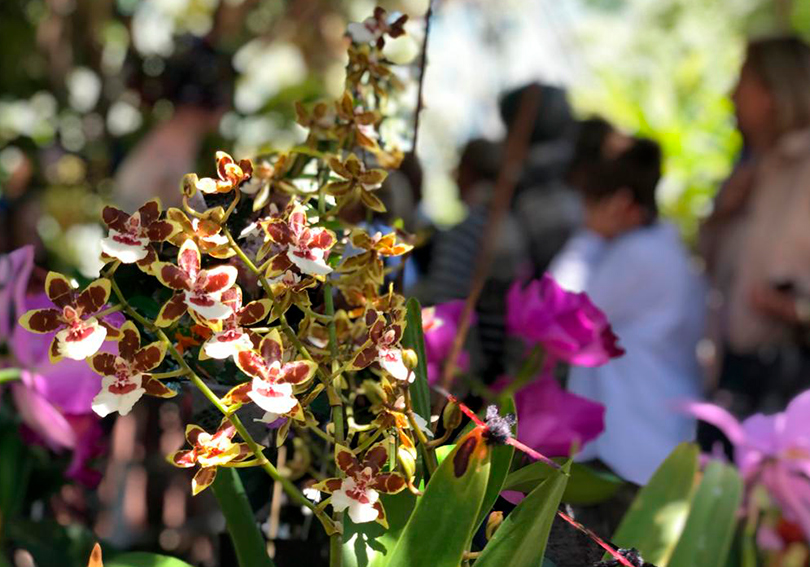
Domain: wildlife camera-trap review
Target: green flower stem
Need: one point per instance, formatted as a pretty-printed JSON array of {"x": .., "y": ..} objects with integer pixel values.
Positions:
[
  {"x": 10, "y": 375},
  {"x": 251, "y": 550},
  {"x": 108, "y": 311},
  {"x": 336, "y": 402},
  {"x": 369, "y": 441},
  {"x": 172, "y": 374},
  {"x": 257, "y": 450}
]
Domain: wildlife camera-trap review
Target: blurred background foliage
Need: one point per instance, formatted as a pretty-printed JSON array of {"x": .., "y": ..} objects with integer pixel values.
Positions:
[{"x": 83, "y": 82}]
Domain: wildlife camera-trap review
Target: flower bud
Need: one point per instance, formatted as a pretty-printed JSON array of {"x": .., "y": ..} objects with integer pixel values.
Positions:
[
  {"x": 189, "y": 185},
  {"x": 493, "y": 523},
  {"x": 410, "y": 359},
  {"x": 451, "y": 416},
  {"x": 407, "y": 461}
]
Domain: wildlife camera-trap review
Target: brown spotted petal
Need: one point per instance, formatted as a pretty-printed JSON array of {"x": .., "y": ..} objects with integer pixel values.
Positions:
[
  {"x": 58, "y": 289},
  {"x": 188, "y": 259},
  {"x": 389, "y": 483},
  {"x": 103, "y": 363},
  {"x": 203, "y": 479},
  {"x": 162, "y": 230},
  {"x": 219, "y": 278},
  {"x": 42, "y": 320},
  {"x": 329, "y": 485},
  {"x": 94, "y": 296},
  {"x": 172, "y": 310},
  {"x": 193, "y": 433},
  {"x": 297, "y": 372},
  {"x": 346, "y": 461},
  {"x": 150, "y": 212},
  {"x": 238, "y": 395},
  {"x": 173, "y": 277},
  {"x": 115, "y": 219},
  {"x": 376, "y": 457},
  {"x": 365, "y": 356},
  {"x": 156, "y": 388},
  {"x": 254, "y": 312},
  {"x": 130, "y": 341},
  {"x": 251, "y": 363},
  {"x": 271, "y": 347},
  {"x": 149, "y": 357},
  {"x": 183, "y": 459}
]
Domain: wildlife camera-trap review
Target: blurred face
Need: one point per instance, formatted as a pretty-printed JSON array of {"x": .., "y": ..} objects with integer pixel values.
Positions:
[{"x": 755, "y": 109}]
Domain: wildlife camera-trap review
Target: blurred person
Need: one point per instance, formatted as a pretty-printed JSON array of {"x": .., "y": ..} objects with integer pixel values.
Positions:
[
  {"x": 756, "y": 242},
  {"x": 197, "y": 81},
  {"x": 635, "y": 268},
  {"x": 545, "y": 206}
]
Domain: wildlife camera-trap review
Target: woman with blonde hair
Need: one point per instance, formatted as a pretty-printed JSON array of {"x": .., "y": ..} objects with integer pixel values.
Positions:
[{"x": 757, "y": 241}]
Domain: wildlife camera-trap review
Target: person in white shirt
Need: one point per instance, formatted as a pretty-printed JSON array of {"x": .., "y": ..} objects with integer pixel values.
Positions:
[{"x": 635, "y": 268}]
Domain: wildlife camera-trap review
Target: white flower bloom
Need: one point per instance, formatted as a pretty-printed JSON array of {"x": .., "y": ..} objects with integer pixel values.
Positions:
[
  {"x": 209, "y": 307},
  {"x": 124, "y": 247},
  {"x": 390, "y": 360},
  {"x": 118, "y": 393},
  {"x": 272, "y": 397},
  {"x": 81, "y": 340},
  {"x": 314, "y": 267},
  {"x": 227, "y": 343},
  {"x": 358, "y": 498}
]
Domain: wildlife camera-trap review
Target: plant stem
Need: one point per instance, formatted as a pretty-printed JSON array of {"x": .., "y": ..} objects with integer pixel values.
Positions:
[
  {"x": 336, "y": 402},
  {"x": 251, "y": 550},
  {"x": 172, "y": 374},
  {"x": 10, "y": 375},
  {"x": 429, "y": 453}
]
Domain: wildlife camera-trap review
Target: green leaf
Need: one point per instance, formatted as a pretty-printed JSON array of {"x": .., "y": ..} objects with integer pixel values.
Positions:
[
  {"x": 586, "y": 486},
  {"x": 441, "y": 526},
  {"x": 15, "y": 466},
  {"x": 251, "y": 549},
  {"x": 656, "y": 518},
  {"x": 521, "y": 540},
  {"x": 141, "y": 559},
  {"x": 499, "y": 469},
  {"x": 414, "y": 338},
  {"x": 369, "y": 544},
  {"x": 709, "y": 531}
]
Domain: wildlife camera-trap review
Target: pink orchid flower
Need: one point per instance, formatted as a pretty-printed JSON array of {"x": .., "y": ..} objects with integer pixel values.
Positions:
[
  {"x": 771, "y": 450},
  {"x": 80, "y": 333},
  {"x": 360, "y": 489},
  {"x": 15, "y": 270},
  {"x": 568, "y": 326},
  {"x": 130, "y": 236},
  {"x": 440, "y": 325},
  {"x": 196, "y": 289},
  {"x": 234, "y": 336}
]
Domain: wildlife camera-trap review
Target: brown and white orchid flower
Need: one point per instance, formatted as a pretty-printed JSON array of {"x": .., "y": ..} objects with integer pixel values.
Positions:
[
  {"x": 80, "y": 332},
  {"x": 130, "y": 236},
  {"x": 382, "y": 346},
  {"x": 206, "y": 233},
  {"x": 126, "y": 377},
  {"x": 195, "y": 288},
  {"x": 290, "y": 288},
  {"x": 297, "y": 244},
  {"x": 358, "y": 182},
  {"x": 230, "y": 174},
  {"x": 374, "y": 28},
  {"x": 209, "y": 451},
  {"x": 273, "y": 378},
  {"x": 359, "y": 491},
  {"x": 234, "y": 336}
]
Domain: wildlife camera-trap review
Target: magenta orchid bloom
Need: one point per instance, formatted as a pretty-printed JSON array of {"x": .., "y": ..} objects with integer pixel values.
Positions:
[
  {"x": 234, "y": 337},
  {"x": 273, "y": 379},
  {"x": 440, "y": 325},
  {"x": 196, "y": 289},
  {"x": 80, "y": 333},
  {"x": 131, "y": 236},
  {"x": 553, "y": 420},
  {"x": 359, "y": 491},
  {"x": 771, "y": 450},
  {"x": 15, "y": 270},
  {"x": 296, "y": 243},
  {"x": 568, "y": 326}
]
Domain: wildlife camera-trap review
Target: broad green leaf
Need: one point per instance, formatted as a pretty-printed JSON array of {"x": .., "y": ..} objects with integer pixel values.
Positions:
[
  {"x": 499, "y": 469},
  {"x": 585, "y": 487},
  {"x": 710, "y": 527},
  {"x": 15, "y": 466},
  {"x": 521, "y": 540},
  {"x": 140, "y": 559},
  {"x": 248, "y": 541},
  {"x": 369, "y": 545},
  {"x": 442, "y": 524},
  {"x": 414, "y": 338},
  {"x": 655, "y": 520}
]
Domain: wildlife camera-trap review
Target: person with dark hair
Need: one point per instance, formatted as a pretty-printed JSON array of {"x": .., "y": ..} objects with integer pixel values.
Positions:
[{"x": 635, "y": 268}]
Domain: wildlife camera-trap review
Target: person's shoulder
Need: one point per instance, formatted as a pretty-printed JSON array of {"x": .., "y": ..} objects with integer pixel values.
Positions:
[{"x": 657, "y": 244}]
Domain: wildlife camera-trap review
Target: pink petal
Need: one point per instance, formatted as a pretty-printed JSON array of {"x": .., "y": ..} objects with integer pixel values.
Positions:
[{"x": 43, "y": 418}]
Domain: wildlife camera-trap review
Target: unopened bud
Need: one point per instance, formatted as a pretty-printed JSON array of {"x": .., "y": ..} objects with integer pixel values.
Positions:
[
  {"x": 410, "y": 359},
  {"x": 451, "y": 416},
  {"x": 493, "y": 523},
  {"x": 407, "y": 461},
  {"x": 189, "y": 185}
]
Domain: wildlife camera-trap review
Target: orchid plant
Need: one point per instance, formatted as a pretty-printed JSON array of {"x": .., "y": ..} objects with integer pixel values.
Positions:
[{"x": 261, "y": 282}]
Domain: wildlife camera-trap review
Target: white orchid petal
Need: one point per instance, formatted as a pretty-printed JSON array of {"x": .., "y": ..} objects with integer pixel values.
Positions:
[
  {"x": 215, "y": 312},
  {"x": 127, "y": 253},
  {"x": 81, "y": 349},
  {"x": 221, "y": 346},
  {"x": 390, "y": 360},
  {"x": 280, "y": 400},
  {"x": 311, "y": 267}
]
